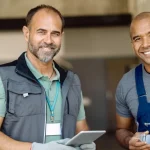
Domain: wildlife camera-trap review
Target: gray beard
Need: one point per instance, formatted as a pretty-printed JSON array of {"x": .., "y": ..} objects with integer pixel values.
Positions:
[
  {"x": 43, "y": 57},
  {"x": 48, "y": 58}
]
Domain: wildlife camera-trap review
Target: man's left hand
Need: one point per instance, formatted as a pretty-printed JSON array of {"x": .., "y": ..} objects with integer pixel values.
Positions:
[{"x": 91, "y": 146}]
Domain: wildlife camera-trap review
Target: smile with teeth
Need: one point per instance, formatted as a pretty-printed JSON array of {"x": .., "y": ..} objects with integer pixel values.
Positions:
[{"x": 147, "y": 53}]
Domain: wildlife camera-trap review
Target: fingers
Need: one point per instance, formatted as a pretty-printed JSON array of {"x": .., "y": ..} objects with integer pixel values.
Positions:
[
  {"x": 145, "y": 147},
  {"x": 63, "y": 147},
  {"x": 135, "y": 144},
  {"x": 91, "y": 146},
  {"x": 63, "y": 141},
  {"x": 146, "y": 132},
  {"x": 137, "y": 134}
]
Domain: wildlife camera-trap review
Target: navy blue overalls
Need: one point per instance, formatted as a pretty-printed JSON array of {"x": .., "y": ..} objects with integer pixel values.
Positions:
[{"x": 143, "y": 114}]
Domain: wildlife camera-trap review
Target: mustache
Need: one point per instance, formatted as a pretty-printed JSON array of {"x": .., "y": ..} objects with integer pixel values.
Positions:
[
  {"x": 146, "y": 48},
  {"x": 45, "y": 45}
]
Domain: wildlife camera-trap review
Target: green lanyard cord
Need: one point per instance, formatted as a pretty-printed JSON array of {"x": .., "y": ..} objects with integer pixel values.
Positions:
[{"x": 52, "y": 107}]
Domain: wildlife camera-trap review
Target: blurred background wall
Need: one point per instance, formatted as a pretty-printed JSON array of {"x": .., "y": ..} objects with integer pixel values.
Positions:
[{"x": 96, "y": 45}]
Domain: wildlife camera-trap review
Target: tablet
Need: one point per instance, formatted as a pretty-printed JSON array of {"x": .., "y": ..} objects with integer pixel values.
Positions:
[{"x": 85, "y": 137}]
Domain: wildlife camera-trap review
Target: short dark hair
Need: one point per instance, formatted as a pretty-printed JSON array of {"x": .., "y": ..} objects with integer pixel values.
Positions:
[{"x": 32, "y": 12}]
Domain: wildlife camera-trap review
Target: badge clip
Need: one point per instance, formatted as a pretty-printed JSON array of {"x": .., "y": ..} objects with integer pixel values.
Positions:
[{"x": 25, "y": 94}]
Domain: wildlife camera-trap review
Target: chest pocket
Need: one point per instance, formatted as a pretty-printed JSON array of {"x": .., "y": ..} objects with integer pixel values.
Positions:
[
  {"x": 73, "y": 101},
  {"x": 24, "y": 98}
]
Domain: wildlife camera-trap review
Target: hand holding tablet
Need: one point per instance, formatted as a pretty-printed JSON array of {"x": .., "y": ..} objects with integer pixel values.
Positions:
[{"x": 85, "y": 137}]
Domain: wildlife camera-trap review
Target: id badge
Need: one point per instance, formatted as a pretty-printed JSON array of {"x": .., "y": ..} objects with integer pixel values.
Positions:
[{"x": 53, "y": 129}]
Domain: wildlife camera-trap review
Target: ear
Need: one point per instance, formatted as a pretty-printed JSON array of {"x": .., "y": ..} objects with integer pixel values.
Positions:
[{"x": 26, "y": 33}]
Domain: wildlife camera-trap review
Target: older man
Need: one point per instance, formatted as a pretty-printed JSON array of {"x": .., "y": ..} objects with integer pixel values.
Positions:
[{"x": 40, "y": 102}]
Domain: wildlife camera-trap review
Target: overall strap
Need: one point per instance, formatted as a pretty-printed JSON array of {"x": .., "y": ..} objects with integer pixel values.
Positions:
[
  {"x": 143, "y": 115},
  {"x": 139, "y": 83}
]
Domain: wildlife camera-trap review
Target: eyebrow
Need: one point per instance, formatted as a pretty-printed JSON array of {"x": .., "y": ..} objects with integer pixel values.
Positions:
[
  {"x": 40, "y": 29},
  {"x": 56, "y": 31}
]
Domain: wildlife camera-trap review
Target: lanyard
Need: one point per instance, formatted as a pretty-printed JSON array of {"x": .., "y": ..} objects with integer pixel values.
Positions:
[{"x": 52, "y": 107}]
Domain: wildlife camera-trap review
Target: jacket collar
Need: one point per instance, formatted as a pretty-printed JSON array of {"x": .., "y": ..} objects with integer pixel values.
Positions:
[{"x": 22, "y": 69}]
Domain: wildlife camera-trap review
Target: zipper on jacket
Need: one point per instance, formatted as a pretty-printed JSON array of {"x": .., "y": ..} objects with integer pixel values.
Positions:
[
  {"x": 67, "y": 106},
  {"x": 45, "y": 119}
]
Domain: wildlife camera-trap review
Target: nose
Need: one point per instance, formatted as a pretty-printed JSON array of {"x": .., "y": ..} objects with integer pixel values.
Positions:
[
  {"x": 146, "y": 42},
  {"x": 48, "y": 39}
]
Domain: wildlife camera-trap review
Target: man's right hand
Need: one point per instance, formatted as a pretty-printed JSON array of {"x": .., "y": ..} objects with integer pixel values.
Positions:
[
  {"x": 54, "y": 145},
  {"x": 136, "y": 144}
]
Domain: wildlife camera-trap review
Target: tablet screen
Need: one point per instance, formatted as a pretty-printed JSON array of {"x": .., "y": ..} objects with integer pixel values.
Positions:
[{"x": 85, "y": 137}]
